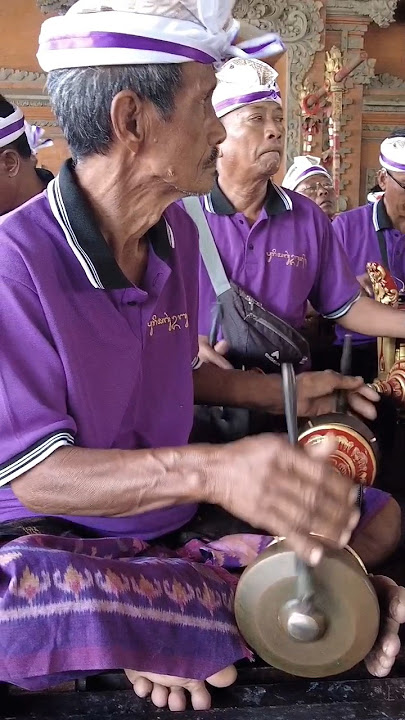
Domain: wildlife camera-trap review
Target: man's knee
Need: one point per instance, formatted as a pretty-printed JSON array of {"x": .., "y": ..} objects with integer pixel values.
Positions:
[{"x": 380, "y": 537}]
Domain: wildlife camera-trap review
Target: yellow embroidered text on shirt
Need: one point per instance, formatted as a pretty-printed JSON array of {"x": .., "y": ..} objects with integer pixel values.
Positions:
[
  {"x": 290, "y": 259},
  {"x": 172, "y": 322}
]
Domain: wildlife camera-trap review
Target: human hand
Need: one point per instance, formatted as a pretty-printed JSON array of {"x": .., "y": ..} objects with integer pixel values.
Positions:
[
  {"x": 286, "y": 491},
  {"x": 214, "y": 355},
  {"x": 317, "y": 394},
  {"x": 366, "y": 284}
]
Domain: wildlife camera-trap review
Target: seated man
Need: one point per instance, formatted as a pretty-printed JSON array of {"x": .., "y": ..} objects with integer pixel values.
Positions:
[
  {"x": 277, "y": 245},
  {"x": 376, "y": 233},
  {"x": 99, "y": 276},
  {"x": 20, "y": 180},
  {"x": 308, "y": 177}
]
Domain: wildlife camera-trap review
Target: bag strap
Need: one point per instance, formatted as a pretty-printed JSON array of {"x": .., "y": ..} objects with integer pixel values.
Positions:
[
  {"x": 208, "y": 249},
  {"x": 383, "y": 248}
]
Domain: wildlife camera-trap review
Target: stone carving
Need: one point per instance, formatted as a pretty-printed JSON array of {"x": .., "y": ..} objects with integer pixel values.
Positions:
[
  {"x": 16, "y": 76},
  {"x": 300, "y": 24},
  {"x": 380, "y": 11},
  {"x": 54, "y": 6},
  {"x": 364, "y": 74},
  {"x": 385, "y": 81}
]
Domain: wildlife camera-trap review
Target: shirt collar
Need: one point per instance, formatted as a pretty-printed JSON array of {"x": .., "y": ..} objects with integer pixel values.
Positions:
[
  {"x": 77, "y": 220},
  {"x": 381, "y": 219},
  {"x": 277, "y": 201}
]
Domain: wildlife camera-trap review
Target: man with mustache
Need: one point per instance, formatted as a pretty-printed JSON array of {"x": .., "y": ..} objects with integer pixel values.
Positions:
[
  {"x": 277, "y": 245},
  {"x": 99, "y": 489}
]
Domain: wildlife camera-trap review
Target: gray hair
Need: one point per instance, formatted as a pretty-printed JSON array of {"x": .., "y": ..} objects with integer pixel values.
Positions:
[{"x": 81, "y": 99}]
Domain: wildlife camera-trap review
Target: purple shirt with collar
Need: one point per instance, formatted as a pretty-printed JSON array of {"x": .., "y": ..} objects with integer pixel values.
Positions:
[
  {"x": 87, "y": 358},
  {"x": 357, "y": 232},
  {"x": 288, "y": 257}
]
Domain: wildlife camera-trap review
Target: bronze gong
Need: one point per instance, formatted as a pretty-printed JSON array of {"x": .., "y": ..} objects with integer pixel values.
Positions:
[{"x": 329, "y": 636}]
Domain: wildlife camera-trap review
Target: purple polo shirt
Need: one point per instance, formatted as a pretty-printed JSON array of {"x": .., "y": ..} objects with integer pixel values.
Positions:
[
  {"x": 288, "y": 257},
  {"x": 357, "y": 232},
  {"x": 87, "y": 358}
]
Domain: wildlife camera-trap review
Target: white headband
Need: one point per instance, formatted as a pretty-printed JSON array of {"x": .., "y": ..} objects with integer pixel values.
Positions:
[
  {"x": 11, "y": 127},
  {"x": 92, "y": 35},
  {"x": 244, "y": 81},
  {"x": 392, "y": 154},
  {"x": 303, "y": 167}
]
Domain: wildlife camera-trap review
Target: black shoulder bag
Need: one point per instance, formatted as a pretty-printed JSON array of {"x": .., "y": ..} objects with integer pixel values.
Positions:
[{"x": 257, "y": 338}]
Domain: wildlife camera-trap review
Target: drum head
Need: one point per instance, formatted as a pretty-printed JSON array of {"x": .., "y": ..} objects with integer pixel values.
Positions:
[
  {"x": 356, "y": 454},
  {"x": 343, "y": 593}
]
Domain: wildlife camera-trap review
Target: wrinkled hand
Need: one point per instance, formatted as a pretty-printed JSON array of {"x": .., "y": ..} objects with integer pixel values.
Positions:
[
  {"x": 214, "y": 355},
  {"x": 366, "y": 284},
  {"x": 286, "y": 491},
  {"x": 316, "y": 394}
]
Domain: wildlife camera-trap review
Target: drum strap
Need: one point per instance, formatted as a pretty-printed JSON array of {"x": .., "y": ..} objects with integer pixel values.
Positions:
[{"x": 383, "y": 248}]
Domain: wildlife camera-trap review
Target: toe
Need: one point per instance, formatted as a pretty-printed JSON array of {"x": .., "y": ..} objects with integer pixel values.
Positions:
[
  {"x": 200, "y": 697},
  {"x": 160, "y": 695},
  {"x": 224, "y": 678},
  {"x": 142, "y": 687},
  {"x": 391, "y": 645},
  {"x": 177, "y": 699}
]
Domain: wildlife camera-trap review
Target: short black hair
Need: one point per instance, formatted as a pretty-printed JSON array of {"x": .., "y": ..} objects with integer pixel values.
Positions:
[
  {"x": 81, "y": 99},
  {"x": 21, "y": 145}
]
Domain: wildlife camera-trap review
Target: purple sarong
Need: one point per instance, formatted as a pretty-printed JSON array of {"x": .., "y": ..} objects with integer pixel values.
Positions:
[{"x": 72, "y": 606}]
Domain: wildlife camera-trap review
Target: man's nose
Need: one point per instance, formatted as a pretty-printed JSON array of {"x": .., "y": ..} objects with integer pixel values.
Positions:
[{"x": 273, "y": 131}]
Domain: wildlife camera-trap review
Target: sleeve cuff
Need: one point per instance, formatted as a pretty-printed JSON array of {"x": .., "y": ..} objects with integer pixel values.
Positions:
[
  {"x": 196, "y": 363},
  {"x": 342, "y": 310},
  {"x": 34, "y": 455}
]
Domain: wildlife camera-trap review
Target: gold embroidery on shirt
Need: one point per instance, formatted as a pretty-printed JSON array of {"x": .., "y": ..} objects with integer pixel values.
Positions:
[
  {"x": 172, "y": 322},
  {"x": 299, "y": 261}
]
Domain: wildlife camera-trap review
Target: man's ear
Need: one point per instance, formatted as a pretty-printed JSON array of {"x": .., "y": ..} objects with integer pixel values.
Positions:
[
  {"x": 128, "y": 119},
  {"x": 10, "y": 162},
  {"x": 382, "y": 179}
]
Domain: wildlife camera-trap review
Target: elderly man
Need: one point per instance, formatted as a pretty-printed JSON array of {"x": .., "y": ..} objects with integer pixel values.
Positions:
[
  {"x": 376, "y": 232},
  {"x": 99, "y": 277},
  {"x": 20, "y": 180},
  {"x": 308, "y": 177},
  {"x": 276, "y": 244}
]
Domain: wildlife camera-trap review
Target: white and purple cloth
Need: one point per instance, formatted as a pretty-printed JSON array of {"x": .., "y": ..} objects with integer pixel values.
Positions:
[
  {"x": 303, "y": 167},
  {"x": 11, "y": 127},
  {"x": 132, "y": 32},
  {"x": 244, "y": 81},
  {"x": 392, "y": 154},
  {"x": 35, "y": 137}
]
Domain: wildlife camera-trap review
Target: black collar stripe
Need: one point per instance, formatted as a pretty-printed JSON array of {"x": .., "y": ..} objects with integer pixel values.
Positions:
[
  {"x": 381, "y": 219},
  {"x": 79, "y": 225},
  {"x": 59, "y": 211},
  {"x": 285, "y": 198},
  {"x": 277, "y": 201}
]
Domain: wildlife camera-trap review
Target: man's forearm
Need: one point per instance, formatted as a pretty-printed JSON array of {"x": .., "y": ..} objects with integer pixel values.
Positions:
[
  {"x": 117, "y": 483},
  {"x": 236, "y": 388},
  {"x": 369, "y": 317}
]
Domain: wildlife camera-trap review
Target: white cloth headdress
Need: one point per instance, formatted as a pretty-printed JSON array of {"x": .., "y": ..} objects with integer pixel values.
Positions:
[
  {"x": 133, "y": 32},
  {"x": 11, "y": 127},
  {"x": 303, "y": 167},
  {"x": 35, "y": 137},
  {"x": 244, "y": 81},
  {"x": 392, "y": 154}
]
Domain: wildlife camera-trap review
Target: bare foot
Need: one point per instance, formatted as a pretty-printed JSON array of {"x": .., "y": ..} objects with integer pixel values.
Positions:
[
  {"x": 169, "y": 691},
  {"x": 392, "y": 604}
]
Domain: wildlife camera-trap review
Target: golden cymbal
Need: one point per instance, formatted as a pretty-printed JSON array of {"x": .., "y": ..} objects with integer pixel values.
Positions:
[{"x": 344, "y": 614}]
